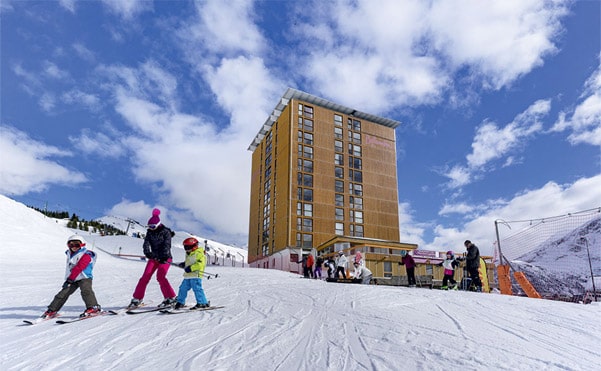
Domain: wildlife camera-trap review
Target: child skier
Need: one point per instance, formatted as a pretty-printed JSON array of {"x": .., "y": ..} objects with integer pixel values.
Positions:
[
  {"x": 157, "y": 249},
  {"x": 449, "y": 265},
  {"x": 194, "y": 268},
  {"x": 78, "y": 274}
]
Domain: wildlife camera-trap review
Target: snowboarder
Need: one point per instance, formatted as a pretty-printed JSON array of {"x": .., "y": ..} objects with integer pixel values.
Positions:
[
  {"x": 472, "y": 263},
  {"x": 341, "y": 263},
  {"x": 157, "y": 249},
  {"x": 80, "y": 263},
  {"x": 409, "y": 263},
  {"x": 362, "y": 273},
  {"x": 194, "y": 268},
  {"x": 449, "y": 265}
]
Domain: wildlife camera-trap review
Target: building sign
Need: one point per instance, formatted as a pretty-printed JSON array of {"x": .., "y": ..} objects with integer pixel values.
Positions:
[
  {"x": 293, "y": 258},
  {"x": 424, "y": 253}
]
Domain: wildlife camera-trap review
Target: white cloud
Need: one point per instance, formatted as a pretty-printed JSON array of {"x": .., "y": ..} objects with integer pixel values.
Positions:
[
  {"x": 77, "y": 97},
  {"x": 410, "y": 231},
  {"x": 52, "y": 71},
  {"x": 500, "y": 40},
  {"x": 226, "y": 29},
  {"x": 68, "y": 4},
  {"x": 552, "y": 199},
  {"x": 139, "y": 211},
  {"x": 128, "y": 9},
  {"x": 27, "y": 164},
  {"x": 98, "y": 144},
  {"x": 407, "y": 52},
  {"x": 584, "y": 122},
  {"x": 83, "y": 52},
  {"x": 492, "y": 143}
]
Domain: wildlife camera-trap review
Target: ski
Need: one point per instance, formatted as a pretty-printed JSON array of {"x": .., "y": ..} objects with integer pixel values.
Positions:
[
  {"x": 127, "y": 309},
  {"x": 39, "y": 320},
  {"x": 188, "y": 310},
  {"x": 77, "y": 319},
  {"x": 147, "y": 310}
]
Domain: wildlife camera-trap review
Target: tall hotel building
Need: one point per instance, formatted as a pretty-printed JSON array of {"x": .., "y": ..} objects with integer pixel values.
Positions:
[{"x": 323, "y": 180}]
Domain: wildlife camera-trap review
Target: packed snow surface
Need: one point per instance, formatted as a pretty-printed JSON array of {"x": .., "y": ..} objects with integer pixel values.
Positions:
[{"x": 272, "y": 320}]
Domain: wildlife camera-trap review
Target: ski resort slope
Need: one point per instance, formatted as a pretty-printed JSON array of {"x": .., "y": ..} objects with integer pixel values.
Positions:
[{"x": 272, "y": 320}]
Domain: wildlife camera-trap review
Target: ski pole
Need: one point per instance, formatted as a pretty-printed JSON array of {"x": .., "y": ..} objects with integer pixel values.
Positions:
[{"x": 205, "y": 274}]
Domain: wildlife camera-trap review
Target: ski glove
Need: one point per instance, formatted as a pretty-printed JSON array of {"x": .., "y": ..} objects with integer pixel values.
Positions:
[
  {"x": 67, "y": 283},
  {"x": 181, "y": 265},
  {"x": 188, "y": 269},
  {"x": 148, "y": 255},
  {"x": 162, "y": 261}
]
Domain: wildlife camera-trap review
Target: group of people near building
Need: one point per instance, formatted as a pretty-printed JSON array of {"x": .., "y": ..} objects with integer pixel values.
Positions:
[
  {"x": 157, "y": 250},
  {"x": 337, "y": 267}
]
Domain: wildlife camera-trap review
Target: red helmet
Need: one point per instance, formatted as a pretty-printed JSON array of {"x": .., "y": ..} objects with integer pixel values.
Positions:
[{"x": 190, "y": 243}]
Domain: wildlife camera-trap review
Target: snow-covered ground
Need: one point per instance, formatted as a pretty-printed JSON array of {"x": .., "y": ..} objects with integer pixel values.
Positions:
[{"x": 272, "y": 320}]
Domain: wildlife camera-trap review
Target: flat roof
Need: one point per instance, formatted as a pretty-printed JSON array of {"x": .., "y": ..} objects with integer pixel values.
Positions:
[{"x": 306, "y": 97}]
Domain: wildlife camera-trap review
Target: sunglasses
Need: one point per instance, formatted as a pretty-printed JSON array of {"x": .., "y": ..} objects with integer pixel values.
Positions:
[
  {"x": 74, "y": 244},
  {"x": 152, "y": 226}
]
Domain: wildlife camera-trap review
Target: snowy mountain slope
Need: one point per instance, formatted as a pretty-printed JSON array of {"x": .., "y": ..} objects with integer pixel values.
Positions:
[
  {"x": 272, "y": 320},
  {"x": 568, "y": 252}
]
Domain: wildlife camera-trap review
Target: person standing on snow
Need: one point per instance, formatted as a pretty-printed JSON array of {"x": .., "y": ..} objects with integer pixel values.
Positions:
[
  {"x": 318, "y": 265},
  {"x": 194, "y": 268},
  {"x": 362, "y": 273},
  {"x": 157, "y": 249},
  {"x": 472, "y": 263},
  {"x": 78, "y": 275},
  {"x": 449, "y": 265},
  {"x": 331, "y": 265},
  {"x": 310, "y": 262},
  {"x": 409, "y": 263},
  {"x": 341, "y": 263}
]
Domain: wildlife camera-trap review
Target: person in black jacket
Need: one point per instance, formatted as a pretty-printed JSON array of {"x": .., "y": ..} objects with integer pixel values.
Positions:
[
  {"x": 472, "y": 263},
  {"x": 157, "y": 249}
]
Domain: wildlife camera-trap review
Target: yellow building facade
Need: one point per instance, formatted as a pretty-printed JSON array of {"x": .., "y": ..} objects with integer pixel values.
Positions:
[{"x": 320, "y": 170}]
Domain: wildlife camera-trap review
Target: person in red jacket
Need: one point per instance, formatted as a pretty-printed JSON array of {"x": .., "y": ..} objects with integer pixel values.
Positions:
[
  {"x": 409, "y": 263},
  {"x": 78, "y": 275},
  {"x": 310, "y": 262}
]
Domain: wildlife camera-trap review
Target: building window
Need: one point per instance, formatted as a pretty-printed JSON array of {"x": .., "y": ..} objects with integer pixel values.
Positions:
[
  {"x": 338, "y": 159},
  {"x": 267, "y": 185},
  {"x": 340, "y": 229},
  {"x": 354, "y": 137},
  {"x": 356, "y": 216},
  {"x": 355, "y": 175},
  {"x": 354, "y": 150},
  {"x": 268, "y": 172},
  {"x": 305, "y": 165},
  {"x": 338, "y": 199},
  {"x": 339, "y": 172},
  {"x": 304, "y": 209},
  {"x": 338, "y": 133},
  {"x": 307, "y": 240},
  {"x": 387, "y": 269},
  {"x": 339, "y": 214},
  {"x": 305, "y": 151},
  {"x": 304, "y": 224},
  {"x": 305, "y": 180},
  {"x": 306, "y": 138},
  {"x": 337, "y": 120},
  {"x": 356, "y": 203},
  {"x": 268, "y": 160},
  {"x": 305, "y": 194},
  {"x": 356, "y": 230},
  {"x": 429, "y": 269},
  {"x": 308, "y": 112},
  {"x": 338, "y": 146},
  {"x": 354, "y": 125},
  {"x": 339, "y": 186},
  {"x": 305, "y": 124},
  {"x": 355, "y": 162},
  {"x": 356, "y": 189}
]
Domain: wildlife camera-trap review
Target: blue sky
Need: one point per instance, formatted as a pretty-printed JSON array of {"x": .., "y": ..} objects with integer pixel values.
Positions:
[{"x": 116, "y": 107}]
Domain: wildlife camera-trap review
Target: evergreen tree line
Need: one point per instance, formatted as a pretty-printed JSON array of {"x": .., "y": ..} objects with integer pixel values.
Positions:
[{"x": 85, "y": 225}]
